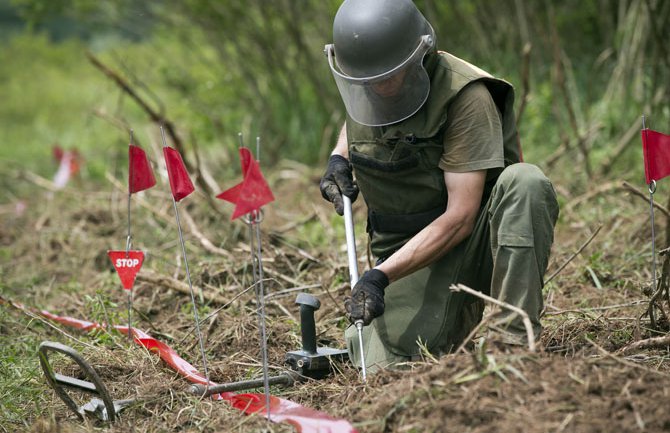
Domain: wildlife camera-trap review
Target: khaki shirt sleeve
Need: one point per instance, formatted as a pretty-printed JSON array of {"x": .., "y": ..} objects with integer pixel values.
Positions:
[{"x": 473, "y": 138}]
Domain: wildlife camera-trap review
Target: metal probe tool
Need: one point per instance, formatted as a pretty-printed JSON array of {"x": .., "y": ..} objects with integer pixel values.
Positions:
[{"x": 353, "y": 269}]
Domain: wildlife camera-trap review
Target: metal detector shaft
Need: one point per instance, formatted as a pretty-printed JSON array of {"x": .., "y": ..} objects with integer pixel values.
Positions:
[
  {"x": 283, "y": 379},
  {"x": 353, "y": 269}
]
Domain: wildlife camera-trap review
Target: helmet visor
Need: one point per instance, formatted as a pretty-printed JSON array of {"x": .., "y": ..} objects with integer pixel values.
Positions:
[{"x": 385, "y": 98}]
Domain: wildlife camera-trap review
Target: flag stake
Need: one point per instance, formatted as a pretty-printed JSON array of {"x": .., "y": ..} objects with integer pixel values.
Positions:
[
  {"x": 652, "y": 190},
  {"x": 140, "y": 178},
  {"x": 253, "y": 219},
  {"x": 188, "y": 276},
  {"x": 129, "y": 245},
  {"x": 249, "y": 196}
]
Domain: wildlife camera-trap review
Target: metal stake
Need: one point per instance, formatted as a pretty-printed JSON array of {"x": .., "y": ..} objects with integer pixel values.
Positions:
[
  {"x": 128, "y": 246},
  {"x": 261, "y": 299},
  {"x": 254, "y": 222},
  {"x": 188, "y": 277},
  {"x": 652, "y": 190},
  {"x": 253, "y": 219},
  {"x": 353, "y": 270}
]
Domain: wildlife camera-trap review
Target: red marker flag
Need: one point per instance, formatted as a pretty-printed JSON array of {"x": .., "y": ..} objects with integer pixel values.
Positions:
[
  {"x": 180, "y": 183},
  {"x": 127, "y": 266},
  {"x": 58, "y": 153},
  {"x": 253, "y": 192},
  {"x": 72, "y": 156},
  {"x": 140, "y": 175},
  {"x": 656, "y": 150},
  {"x": 68, "y": 165}
]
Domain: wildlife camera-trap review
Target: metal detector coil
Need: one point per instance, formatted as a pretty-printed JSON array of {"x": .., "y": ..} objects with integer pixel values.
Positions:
[{"x": 104, "y": 407}]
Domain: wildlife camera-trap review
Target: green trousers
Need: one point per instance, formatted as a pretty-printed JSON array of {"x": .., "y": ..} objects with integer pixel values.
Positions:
[{"x": 505, "y": 256}]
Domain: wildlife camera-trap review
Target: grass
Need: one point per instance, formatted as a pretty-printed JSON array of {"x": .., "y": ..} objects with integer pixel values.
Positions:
[
  {"x": 51, "y": 103},
  {"x": 453, "y": 386},
  {"x": 22, "y": 397},
  {"x": 53, "y": 256}
]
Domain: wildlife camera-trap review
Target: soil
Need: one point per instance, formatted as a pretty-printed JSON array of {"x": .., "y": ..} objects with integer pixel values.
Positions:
[{"x": 579, "y": 380}]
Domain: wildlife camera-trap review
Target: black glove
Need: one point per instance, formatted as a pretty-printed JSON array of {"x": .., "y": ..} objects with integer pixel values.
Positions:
[
  {"x": 367, "y": 297},
  {"x": 338, "y": 180}
]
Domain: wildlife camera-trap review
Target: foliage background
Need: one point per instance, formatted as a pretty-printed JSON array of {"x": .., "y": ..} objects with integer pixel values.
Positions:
[
  {"x": 585, "y": 72},
  {"x": 590, "y": 70}
]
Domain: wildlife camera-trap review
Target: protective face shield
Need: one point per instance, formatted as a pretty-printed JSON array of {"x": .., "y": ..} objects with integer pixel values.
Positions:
[
  {"x": 377, "y": 59},
  {"x": 389, "y": 97}
]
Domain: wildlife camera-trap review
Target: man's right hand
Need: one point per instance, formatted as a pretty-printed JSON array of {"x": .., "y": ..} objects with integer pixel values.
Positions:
[
  {"x": 338, "y": 180},
  {"x": 367, "y": 297}
]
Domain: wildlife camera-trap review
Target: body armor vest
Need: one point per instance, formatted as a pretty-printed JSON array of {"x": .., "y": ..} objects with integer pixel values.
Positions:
[{"x": 396, "y": 166}]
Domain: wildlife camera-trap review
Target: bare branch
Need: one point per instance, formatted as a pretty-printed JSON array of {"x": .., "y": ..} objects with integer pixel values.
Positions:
[
  {"x": 584, "y": 245},
  {"x": 157, "y": 118},
  {"x": 524, "y": 316}
]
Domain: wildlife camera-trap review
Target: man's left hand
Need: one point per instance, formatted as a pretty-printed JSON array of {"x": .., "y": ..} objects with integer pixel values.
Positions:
[{"x": 367, "y": 297}]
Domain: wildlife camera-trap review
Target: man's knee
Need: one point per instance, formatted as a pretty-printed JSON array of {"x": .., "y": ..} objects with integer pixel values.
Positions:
[
  {"x": 526, "y": 176},
  {"x": 528, "y": 180}
]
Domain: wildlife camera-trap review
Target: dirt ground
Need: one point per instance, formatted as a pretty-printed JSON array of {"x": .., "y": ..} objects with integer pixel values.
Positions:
[{"x": 583, "y": 378}]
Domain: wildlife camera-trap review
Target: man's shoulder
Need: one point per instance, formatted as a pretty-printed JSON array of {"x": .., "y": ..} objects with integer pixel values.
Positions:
[{"x": 461, "y": 67}]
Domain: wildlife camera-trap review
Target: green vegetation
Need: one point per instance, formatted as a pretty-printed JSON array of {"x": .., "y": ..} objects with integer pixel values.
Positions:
[
  {"x": 21, "y": 386},
  {"x": 585, "y": 72},
  {"x": 215, "y": 69}
]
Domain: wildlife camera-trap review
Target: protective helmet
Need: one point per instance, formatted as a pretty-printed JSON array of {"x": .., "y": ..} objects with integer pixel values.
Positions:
[{"x": 377, "y": 59}]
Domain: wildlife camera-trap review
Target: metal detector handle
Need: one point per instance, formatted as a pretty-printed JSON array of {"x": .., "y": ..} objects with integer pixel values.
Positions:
[
  {"x": 288, "y": 378},
  {"x": 353, "y": 268}
]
